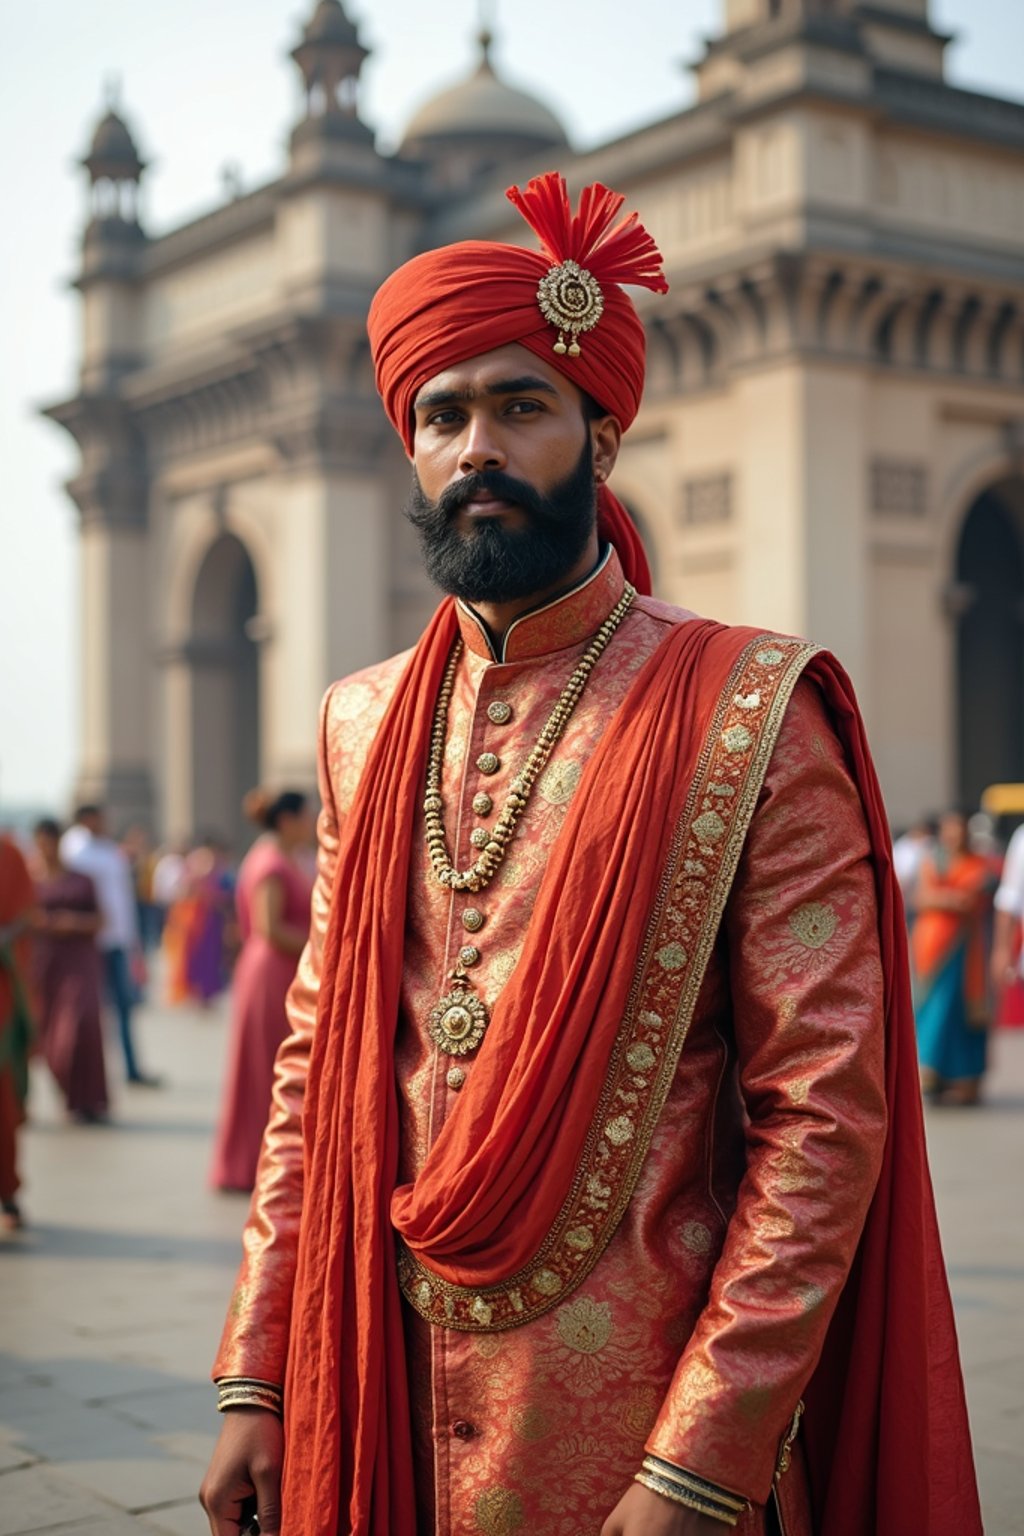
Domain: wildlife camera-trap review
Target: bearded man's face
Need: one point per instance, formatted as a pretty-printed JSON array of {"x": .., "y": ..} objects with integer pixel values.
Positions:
[
  {"x": 485, "y": 561},
  {"x": 504, "y": 494}
]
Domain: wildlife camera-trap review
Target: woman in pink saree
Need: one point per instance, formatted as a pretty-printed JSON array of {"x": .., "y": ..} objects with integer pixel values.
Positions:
[{"x": 272, "y": 896}]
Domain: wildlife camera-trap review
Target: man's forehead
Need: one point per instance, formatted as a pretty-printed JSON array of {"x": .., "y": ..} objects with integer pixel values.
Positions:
[{"x": 475, "y": 374}]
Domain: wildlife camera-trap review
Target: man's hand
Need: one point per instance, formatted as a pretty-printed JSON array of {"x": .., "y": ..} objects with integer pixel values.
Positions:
[
  {"x": 246, "y": 1462},
  {"x": 641, "y": 1512}
]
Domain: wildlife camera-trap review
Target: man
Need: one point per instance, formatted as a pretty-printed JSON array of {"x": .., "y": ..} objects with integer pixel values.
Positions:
[
  {"x": 1007, "y": 962},
  {"x": 909, "y": 852},
  {"x": 588, "y": 1090},
  {"x": 86, "y": 848}
]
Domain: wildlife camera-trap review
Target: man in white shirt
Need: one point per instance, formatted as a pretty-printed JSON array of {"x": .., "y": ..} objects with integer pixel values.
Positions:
[
  {"x": 85, "y": 847},
  {"x": 1009, "y": 904},
  {"x": 909, "y": 853}
]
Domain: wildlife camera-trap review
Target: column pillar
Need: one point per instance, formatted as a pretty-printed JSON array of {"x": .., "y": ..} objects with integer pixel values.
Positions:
[{"x": 115, "y": 657}]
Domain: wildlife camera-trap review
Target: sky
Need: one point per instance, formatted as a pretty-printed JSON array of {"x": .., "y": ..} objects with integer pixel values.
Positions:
[{"x": 207, "y": 87}]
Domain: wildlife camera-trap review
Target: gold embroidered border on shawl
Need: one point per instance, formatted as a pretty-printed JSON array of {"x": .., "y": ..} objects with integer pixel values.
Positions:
[{"x": 703, "y": 858}]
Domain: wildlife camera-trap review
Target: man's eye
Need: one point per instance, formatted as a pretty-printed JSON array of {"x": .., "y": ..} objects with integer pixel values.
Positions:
[
  {"x": 442, "y": 418},
  {"x": 524, "y": 407}
]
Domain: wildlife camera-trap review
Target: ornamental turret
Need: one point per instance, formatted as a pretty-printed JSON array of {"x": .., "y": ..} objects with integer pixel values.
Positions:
[
  {"x": 330, "y": 57},
  {"x": 115, "y": 169}
]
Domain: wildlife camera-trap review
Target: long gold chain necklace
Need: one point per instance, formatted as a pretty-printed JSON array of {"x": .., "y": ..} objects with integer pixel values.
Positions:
[{"x": 458, "y": 1021}]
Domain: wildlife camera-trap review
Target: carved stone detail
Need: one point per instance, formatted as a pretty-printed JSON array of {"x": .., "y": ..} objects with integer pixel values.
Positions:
[
  {"x": 899, "y": 488},
  {"x": 888, "y": 315},
  {"x": 707, "y": 501}
]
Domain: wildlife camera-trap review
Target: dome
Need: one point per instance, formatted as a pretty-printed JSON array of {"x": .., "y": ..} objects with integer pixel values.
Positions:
[
  {"x": 485, "y": 107},
  {"x": 112, "y": 141},
  {"x": 112, "y": 152}
]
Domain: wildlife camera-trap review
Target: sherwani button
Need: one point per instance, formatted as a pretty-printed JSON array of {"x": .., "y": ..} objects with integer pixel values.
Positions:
[
  {"x": 488, "y": 763},
  {"x": 499, "y": 713},
  {"x": 472, "y": 919},
  {"x": 455, "y": 1078},
  {"x": 479, "y": 837},
  {"x": 483, "y": 805},
  {"x": 462, "y": 1429}
]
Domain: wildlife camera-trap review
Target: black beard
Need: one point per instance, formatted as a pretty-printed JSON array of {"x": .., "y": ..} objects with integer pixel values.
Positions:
[{"x": 492, "y": 564}]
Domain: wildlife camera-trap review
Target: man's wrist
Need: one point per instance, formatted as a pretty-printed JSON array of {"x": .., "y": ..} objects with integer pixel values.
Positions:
[
  {"x": 686, "y": 1488},
  {"x": 249, "y": 1392}
]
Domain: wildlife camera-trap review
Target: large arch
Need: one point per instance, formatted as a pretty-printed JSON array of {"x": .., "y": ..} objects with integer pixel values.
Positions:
[
  {"x": 223, "y": 654},
  {"x": 989, "y": 588}
]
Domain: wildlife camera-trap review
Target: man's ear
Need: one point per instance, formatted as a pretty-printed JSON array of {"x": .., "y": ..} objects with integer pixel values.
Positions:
[{"x": 605, "y": 437}]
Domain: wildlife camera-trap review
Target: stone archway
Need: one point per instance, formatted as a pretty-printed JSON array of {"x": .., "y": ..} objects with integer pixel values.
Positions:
[
  {"x": 224, "y": 661},
  {"x": 989, "y": 591}
]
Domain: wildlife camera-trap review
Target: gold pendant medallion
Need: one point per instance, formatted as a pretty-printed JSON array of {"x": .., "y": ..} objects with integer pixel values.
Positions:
[{"x": 458, "y": 1022}]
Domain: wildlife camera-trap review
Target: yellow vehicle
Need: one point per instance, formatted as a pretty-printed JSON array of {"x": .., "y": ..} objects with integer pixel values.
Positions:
[{"x": 1003, "y": 800}]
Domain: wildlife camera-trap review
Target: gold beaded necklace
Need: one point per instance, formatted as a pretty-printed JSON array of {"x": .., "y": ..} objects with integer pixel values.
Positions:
[{"x": 458, "y": 1021}]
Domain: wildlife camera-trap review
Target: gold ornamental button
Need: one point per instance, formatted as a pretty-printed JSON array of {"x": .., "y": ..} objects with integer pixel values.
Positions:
[
  {"x": 455, "y": 1078},
  {"x": 483, "y": 805},
  {"x": 479, "y": 837},
  {"x": 472, "y": 920},
  {"x": 499, "y": 713},
  {"x": 488, "y": 763},
  {"x": 468, "y": 955}
]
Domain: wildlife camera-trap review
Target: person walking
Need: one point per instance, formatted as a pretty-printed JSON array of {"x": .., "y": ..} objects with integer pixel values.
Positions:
[
  {"x": 950, "y": 955},
  {"x": 67, "y": 978},
  {"x": 272, "y": 897},
  {"x": 86, "y": 849},
  {"x": 16, "y": 905},
  {"x": 1007, "y": 960}
]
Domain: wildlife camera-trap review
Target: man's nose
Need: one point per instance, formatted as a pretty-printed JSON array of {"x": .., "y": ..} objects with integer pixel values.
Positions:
[{"x": 480, "y": 448}]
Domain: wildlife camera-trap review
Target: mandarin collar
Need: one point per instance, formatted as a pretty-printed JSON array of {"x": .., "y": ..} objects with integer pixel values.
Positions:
[{"x": 566, "y": 620}]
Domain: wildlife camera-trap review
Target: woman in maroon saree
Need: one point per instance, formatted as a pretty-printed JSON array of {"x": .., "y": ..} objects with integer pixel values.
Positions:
[{"x": 66, "y": 976}]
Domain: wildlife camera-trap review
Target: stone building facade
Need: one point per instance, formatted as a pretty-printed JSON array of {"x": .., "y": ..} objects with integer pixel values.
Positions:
[{"x": 832, "y": 441}]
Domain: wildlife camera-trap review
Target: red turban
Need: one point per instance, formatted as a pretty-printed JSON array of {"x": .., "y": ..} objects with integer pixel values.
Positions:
[{"x": 563, "y": 303}]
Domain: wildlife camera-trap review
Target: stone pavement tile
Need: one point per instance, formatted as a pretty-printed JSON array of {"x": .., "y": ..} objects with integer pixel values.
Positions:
[
  {"x": 1002, "y": 1504},
  {"x": 177, "y": 1520},
  {"x": 135, "y": 1483},
  {"x": 191, "y": 1446},
  {"x": 99, "y": 1381},
  {"x": 173, "y": 1408},
  {"x": 114, "y": 1524},
  {"x": 13, "y": 1455},
  {"x": 60, "y": 1429},
  {"x": 36, "y": 1499},
  {"x": 30, "y": 1398}
]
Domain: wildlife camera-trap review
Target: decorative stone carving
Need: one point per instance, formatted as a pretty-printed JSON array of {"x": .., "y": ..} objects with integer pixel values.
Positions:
[
  {"x": 707, "y": 500},
  {"x": 899, "y": 488}
]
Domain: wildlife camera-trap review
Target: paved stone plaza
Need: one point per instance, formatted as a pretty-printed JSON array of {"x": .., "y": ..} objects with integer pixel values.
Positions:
[{"x": 112, "y": 1301}]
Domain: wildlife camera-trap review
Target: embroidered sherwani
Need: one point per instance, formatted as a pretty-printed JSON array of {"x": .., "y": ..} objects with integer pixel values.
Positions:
[{"x": 700, "y": 1324}]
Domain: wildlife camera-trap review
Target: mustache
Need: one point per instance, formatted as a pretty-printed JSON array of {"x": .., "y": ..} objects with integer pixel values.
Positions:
[{"x": 492, "y": 481}]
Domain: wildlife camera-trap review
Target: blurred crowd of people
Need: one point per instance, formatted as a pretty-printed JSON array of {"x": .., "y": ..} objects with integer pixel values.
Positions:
[
  {"x": 89, "y": 922},
  {"x": 964, "y": 898}
]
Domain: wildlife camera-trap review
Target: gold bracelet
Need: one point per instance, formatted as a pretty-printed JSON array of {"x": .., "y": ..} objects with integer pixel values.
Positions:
[
  {"x": 678, "y": 1495},
  {"x": 691, "y": 1483},
  {"x": 247, "y": 1392}
]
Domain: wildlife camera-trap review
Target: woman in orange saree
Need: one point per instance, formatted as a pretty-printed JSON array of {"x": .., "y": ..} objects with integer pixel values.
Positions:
[{"x": 949, "y": 954}]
